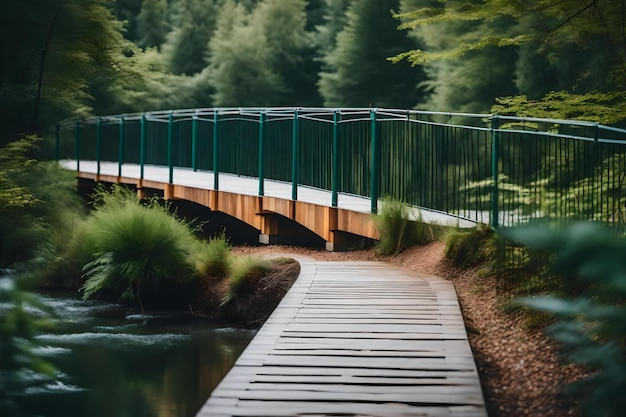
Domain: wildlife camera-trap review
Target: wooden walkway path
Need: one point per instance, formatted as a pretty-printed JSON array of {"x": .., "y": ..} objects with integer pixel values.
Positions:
[{"x": 356, "y": 339}]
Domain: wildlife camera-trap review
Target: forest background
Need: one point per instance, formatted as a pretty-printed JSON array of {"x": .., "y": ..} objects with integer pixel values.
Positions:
[
  {"x": 68, "y": 58},
  {"x": 76, "y": 58}
]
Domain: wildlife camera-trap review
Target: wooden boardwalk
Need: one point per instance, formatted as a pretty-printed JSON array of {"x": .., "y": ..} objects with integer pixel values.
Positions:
[{"x": 356, "y": 339}]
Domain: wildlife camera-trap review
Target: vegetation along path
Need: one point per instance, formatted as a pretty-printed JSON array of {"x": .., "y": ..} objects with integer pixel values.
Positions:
[{"x": 356, "y": 338}]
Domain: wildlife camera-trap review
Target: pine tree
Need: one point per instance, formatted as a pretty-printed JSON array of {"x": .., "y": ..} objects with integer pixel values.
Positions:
[
  {"x": 258, "y": 58},
  {"x": 152, "y": 23},
  {"x": 357, "y": 72},
  {"x": 185, "y": 49}
]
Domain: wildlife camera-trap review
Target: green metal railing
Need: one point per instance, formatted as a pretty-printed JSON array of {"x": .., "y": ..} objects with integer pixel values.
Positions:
[{"x": 499, "y": 170}]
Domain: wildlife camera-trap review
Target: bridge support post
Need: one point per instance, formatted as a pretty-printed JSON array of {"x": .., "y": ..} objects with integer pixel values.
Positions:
[
  {"x": 335, "y": 161},
  {"x": 343, "y": 241},
  {"x": 77, "y": 144},
  {"x": 142, "y": 146},
  {"x": 280, "y": 230},
  {"x": 261, "y": 155},
  {"x": 216, "y": 168},
  {"x": 170, "y": 147},
  {"x": 294, "y": 158},
  {"x": 57, "y": 148},
  {"x": 194, "y": 141},
  {"x": 375, "y": 163},
  {"x": 495, "y": 197},
  {"x": 98, "y": 145},
  {"x": 121, "y": 148}
]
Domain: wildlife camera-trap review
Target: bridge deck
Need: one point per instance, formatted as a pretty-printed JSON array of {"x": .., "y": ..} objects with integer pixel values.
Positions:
[
  {"x": 249, "y": 186},
  {"x": 361, "y": 339}
]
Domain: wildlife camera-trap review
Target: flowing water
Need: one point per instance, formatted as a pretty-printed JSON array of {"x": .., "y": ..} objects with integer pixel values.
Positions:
[{"x": 116, "y": 362}]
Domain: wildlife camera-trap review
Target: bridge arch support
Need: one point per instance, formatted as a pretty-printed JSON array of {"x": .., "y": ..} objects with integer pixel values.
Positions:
[
  {"x": 278, "y": 220},
  {"x": 284, "y": 221}
]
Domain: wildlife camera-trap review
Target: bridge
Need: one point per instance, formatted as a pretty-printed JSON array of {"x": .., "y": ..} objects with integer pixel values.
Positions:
[
  {"x": 362, "y": 338},
  {"x": 326, "y": 169}
]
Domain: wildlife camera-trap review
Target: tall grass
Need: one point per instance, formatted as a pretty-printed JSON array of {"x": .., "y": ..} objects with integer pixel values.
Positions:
[
  {"x": 214, "y": 257},
  {"x": 245, "y": 273},
  {"x": 137, "y": 247},
  {"x": 397, "y": 231}
]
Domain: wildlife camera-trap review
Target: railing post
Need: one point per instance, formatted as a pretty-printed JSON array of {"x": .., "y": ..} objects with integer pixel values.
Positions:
[
  {"x": 77, "y": 144},
  {"x": 375, "y": 166},
  {"x": 216, "y": 169},
  {"x": 294, "y": 157},
  {"x": 142, "y": 146},
  {"x": 194, "y": 141},
  {"x": 121, "y": 148},
  {"x": 495, "y": 197},
  {"x": 594, "y": 161},
  {"x": 334, "y": 181},
  {"x": 170, "y": 145},
  {"x": 57, "y": 148},
  {"x": 98, "y": 140},
  {"x": 261, "y": 159}
]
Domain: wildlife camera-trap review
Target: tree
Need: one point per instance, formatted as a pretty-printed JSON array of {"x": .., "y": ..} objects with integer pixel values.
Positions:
[
  {"x": 185, "y": 49},
  {"x": 256, "y": 58},
  {"x": 149, "y": 86},
  {"x": 334, "y": 22},
  {"x": 291, "y": 49},
  {"x": 152, "y": 23},
  {"x": 357, "y": 72},
  {"x": 550, "y": 36},
  {"x": 51, "y": 59}
]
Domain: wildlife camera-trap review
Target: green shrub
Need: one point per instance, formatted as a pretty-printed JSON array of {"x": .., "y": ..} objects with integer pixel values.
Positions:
[
  {"x": 592, "y": 326},
  {"x": 397, "y": 231},
  {"x": 37, "y": 200},
  {"x": 245, "y": 273},
  {"x": 466, "y": 248},
  {"x": 138, "y": 247},
  {"x": 214, "y": 257}
]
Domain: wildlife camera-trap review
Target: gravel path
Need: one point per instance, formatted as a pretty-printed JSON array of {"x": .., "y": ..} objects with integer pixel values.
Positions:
[{"x": 518, "y": 366}]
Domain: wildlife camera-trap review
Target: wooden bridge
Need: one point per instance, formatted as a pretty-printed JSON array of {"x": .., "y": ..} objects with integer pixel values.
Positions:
[
  {"x": 274, "y": 214},
  {"x": 356, "y": 339}
]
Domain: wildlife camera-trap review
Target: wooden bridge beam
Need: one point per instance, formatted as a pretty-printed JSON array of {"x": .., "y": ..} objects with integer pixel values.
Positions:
[{"x": 277, "y": 220}]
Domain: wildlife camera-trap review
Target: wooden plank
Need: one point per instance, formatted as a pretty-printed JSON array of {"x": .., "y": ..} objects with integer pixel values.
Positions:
[
  {"x": 240, "y": 380},
  {"x": 296, "y": 408},
  {"x": 342, "y": 387},
  {"x": 348, "y": 372},
  {"x": 314, "y": 396}
]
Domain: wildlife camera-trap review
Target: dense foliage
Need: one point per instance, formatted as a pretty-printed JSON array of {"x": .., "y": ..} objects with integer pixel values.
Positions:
[
  {"x": 591, "y": 327},
  {"x": 497, "y": 48},
  {"x": 38, "y": 202},
  {"x": 79, "y": 57}
]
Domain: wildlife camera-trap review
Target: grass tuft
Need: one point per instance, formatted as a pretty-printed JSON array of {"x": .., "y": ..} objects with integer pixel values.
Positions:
[
  {"x": 245, "y": 272},
  {"x": 469, "y": 248},
  {"x": 397, "y": 232},
  {"x": 214, "y": 257}
]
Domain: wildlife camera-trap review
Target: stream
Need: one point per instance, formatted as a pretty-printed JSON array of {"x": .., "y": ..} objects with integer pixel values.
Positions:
[{"x": 113, "y": 361}]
